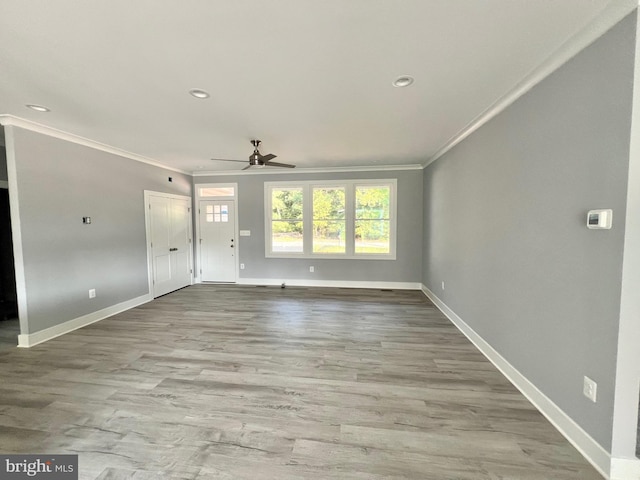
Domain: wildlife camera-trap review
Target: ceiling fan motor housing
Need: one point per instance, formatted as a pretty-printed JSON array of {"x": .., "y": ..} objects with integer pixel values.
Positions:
[{"x": 255, "y": 159}]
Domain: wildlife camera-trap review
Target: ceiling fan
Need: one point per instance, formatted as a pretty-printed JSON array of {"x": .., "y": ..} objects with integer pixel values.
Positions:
[{"x": 256, "y": 159}]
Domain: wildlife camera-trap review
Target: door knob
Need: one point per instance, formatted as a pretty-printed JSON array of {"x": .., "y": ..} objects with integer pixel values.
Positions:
[{"x": 173, "y": 249}]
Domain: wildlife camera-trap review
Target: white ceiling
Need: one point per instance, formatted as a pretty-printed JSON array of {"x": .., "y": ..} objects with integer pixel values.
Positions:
[{"x": 311, "y": 79}]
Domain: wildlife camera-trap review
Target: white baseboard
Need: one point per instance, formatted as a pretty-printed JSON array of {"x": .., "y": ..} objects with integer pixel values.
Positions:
[
  {"x": 625, "y": 469},
  {"x": 581, "y": 440},
  {"x": 31, "y": 339},
  {"x": 330, "y": 283}
]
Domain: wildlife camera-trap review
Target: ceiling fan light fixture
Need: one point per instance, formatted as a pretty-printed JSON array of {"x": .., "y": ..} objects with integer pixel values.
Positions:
[
  {"x": 199, "y": 93},
  {"x": 403, "y": 81},
  {"x": 256, "y": 159},
  {"x": 37, "y": 108}
]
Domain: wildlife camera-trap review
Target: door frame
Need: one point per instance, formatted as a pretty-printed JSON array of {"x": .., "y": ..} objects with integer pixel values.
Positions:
[
  {"x": 196, "y": 214},
  {"x": 147, "y": 226}
]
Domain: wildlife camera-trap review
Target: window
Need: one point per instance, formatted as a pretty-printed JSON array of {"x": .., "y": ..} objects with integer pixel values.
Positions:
[
  {"x": 334, "y": 219},
  {"x": 217, "y": 191},
  {"x": 328, "y": 220},
  {"x": 287, "y": 220},
  {"x": 373, "y": 232}
]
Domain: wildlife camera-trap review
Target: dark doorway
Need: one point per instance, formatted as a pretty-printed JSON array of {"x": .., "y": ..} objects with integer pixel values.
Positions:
[{"x": 9, "y": 326}]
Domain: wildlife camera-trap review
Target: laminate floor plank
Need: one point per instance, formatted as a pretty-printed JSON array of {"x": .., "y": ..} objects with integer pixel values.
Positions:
[{"x": 236, "y": 382}]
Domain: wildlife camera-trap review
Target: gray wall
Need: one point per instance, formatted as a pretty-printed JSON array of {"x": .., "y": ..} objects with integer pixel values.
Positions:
[
  {"x": 60, "y": 182},
  {"x": 406, "y": 267},
  {"x": 505, "y": 227}
]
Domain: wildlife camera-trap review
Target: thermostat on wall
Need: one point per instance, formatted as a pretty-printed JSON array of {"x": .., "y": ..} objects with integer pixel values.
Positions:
[{"x": 599, "y": 219}]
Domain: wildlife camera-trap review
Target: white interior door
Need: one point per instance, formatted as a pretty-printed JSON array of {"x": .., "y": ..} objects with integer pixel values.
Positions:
[
  {"x": 217, "y": 240},
  {"x": 181, "y": 242},
  {"x": 159, "y": 212},
  {"x": 170, "y": 243}
]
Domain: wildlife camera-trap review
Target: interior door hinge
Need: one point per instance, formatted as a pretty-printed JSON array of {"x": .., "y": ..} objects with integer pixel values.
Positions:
[{"x": 149, "y": 206}]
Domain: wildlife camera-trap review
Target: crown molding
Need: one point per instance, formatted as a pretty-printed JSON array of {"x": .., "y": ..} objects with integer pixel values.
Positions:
[
  {"x": 265, "y": 171},
  {"x": 607, "y": 18},
  {"x": 10, "y": 120}
]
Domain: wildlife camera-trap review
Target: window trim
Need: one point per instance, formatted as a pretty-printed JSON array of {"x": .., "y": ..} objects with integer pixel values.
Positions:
[{"x": 350, "y": 186}]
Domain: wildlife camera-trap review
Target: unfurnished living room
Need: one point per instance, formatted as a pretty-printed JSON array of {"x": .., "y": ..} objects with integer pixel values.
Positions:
[{"x": 339, "y": 239}]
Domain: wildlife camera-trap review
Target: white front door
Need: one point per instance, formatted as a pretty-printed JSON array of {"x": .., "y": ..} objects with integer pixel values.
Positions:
[
  {"x": 170, "y": 243},
  {"x": 217, "y": 240}
]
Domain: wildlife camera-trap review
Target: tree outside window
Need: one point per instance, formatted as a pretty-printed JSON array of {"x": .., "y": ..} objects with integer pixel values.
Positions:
[
  {"x": 328, "y": 220},
  {"x": 287, "y": 220},
  {"x": 372, "y": 221}
]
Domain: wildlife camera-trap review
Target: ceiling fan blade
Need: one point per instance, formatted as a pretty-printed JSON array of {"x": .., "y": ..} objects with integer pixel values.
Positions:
[
  {"x": 227, "y": 160},
  {"x": 267, "y": 157},
  {"x": 276, "y": 164},
  {"x": 247, "y": 167}
]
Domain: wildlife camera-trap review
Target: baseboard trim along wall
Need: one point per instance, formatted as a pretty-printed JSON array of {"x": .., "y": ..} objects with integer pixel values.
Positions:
[
  {"x": 330, "y": 283},
  {"x": 581, "y": 440},
  {"x": 32, "y": 339},
  {"x": 625, "y": 469}
]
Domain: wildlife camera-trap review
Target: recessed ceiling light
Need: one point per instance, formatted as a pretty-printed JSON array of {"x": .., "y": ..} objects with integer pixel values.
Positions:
[
  {"x": 196, "y": 92},
  {"x": 38, "y": 108},
  {"x": 403, "y": 81}
]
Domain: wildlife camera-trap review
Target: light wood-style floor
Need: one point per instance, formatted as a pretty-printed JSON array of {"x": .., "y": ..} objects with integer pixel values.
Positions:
[{"x": 231, "y": 382}]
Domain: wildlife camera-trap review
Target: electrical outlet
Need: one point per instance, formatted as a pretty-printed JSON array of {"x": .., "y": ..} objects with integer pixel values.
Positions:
[
  {"x": 312, "y": 269},
  {"x": 242, "y": 266},
  {"x": 590, "y": 389},
  {"x": 92, "y": 293},
  {"x": 443, "y": 285}
]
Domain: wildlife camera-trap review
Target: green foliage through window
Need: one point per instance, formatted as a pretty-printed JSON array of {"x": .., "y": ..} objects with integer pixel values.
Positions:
[
  {"x": 286, "y": 220},
  {"x": 372, "y": 222},
  {"x": 328, "y": 220}
]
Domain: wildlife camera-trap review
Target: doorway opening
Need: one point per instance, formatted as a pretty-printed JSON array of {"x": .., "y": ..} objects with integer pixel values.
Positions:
[
  {"x": 9, "y": 324},
  {"x": 169, "y": 242},
  {"x": 217, "y": 248}
]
